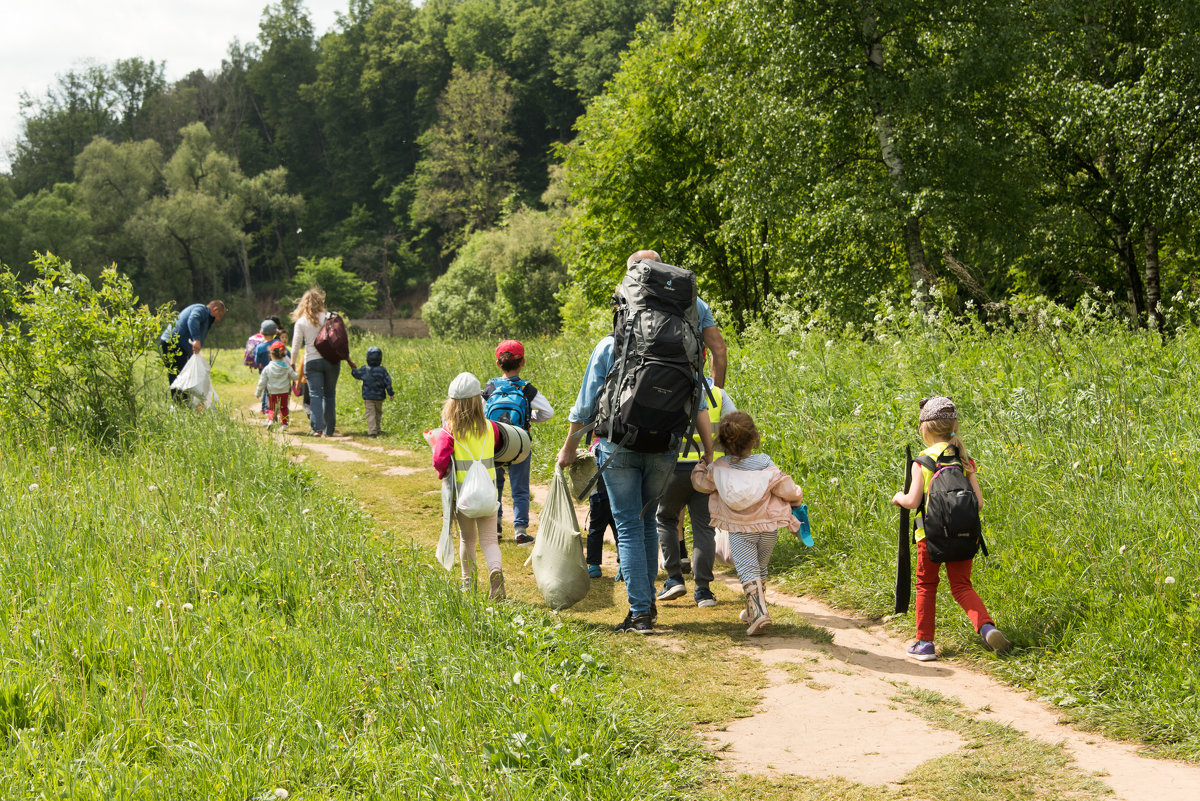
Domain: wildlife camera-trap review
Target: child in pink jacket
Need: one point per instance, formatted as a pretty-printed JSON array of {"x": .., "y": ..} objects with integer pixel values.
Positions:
[{"x": 752, "y": 499}]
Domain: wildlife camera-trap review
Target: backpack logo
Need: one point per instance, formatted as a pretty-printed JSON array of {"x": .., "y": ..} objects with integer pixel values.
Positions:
[
  {"x": 950, "y": 511},
  {"x": 508, "y": 403}
]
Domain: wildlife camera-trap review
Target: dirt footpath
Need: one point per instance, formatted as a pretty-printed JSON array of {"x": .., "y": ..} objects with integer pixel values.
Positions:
[{"x": 843, "y": 721}]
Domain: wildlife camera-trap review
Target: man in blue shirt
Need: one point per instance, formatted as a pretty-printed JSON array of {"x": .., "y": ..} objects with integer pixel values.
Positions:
[
  {"x": 634, "y": 481},
  {"x": 186, "y": 336}
]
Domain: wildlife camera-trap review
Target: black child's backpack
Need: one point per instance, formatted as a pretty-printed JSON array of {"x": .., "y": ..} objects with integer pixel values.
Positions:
[
  {"x": 950, "y": 510},
  {"x": 651, "y": 394}
]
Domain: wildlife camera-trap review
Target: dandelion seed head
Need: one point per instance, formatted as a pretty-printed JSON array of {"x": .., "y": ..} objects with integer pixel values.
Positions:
[
  {"x": 1169, "y": 580},
  {"x": 158, "y": 604},
  {"x": 33, "y": 487},
  {"x": 188, "y": 607}
]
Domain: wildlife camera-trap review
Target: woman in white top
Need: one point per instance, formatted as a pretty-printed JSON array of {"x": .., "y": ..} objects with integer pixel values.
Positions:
[{"x": 322, "y": 374}]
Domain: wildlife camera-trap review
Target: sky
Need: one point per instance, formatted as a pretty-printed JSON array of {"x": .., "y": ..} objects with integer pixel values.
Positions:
[{"x": 40, "y": 39}]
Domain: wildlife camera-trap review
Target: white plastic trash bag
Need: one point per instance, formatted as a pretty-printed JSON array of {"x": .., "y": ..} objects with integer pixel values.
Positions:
[
  {"x": 722, "y": 550},
  {"x": 558, "y": 563},
  {"x": 445, "y": 546},
  {"x": 196, "y": 380},
  {"x": 477, "y": 496}
]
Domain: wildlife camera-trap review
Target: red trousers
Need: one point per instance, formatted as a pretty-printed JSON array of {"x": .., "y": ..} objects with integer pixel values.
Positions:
[
  {"x": 278, "y": 408},
  {"x": 959, "y": 574}
]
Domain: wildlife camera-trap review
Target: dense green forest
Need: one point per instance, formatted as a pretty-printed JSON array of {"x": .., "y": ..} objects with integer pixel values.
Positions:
[{"x": 831, "y": 155}]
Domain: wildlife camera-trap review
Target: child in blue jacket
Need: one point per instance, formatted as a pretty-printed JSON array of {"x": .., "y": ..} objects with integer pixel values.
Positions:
[{"x": 376, "y": 382}]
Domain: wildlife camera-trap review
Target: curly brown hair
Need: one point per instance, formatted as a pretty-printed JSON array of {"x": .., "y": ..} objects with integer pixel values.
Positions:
[{"x": 737, "y": 434}]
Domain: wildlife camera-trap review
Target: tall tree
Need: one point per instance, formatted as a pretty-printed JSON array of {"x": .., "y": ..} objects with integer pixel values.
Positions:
[{"x": 467, "y": 168}]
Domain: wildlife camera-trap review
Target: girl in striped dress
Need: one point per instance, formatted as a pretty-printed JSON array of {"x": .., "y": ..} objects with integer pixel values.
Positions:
[{"x": 752, "y": 499}]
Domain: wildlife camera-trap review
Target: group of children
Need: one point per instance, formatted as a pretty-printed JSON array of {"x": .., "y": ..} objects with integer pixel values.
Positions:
[
  {"x": 749, "y": 496},
  {"x": 267, "y": 351}
]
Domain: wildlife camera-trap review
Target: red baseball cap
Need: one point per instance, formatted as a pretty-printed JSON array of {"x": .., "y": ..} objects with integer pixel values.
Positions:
[{"x": 511, "y": 346}]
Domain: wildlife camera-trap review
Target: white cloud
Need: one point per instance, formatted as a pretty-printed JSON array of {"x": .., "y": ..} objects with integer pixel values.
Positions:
[{"x": 45, "y": 38}]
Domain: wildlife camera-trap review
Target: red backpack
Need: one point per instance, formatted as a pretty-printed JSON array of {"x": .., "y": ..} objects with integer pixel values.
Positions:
[{"x": 332, "y": 342}]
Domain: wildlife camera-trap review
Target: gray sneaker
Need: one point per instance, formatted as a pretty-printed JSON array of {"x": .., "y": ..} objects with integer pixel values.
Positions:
[{"x": 995, "y": 639}]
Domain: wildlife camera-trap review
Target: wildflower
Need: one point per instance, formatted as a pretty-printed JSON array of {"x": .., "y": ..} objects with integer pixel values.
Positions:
[
  {"x": 834, "y": 481},
  {"x": 188, "y": 607},
  {"x": 129, "y": 610},
  {"x": 152, "y": 488},
  {"x": 33, "y": 487},
  {"x": 158, "y": 604},
  {"x": 1169, "y": 580},
  {"x": 279, "y": 791}
]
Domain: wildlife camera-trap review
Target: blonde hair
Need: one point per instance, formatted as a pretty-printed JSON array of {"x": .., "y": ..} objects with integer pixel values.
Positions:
[
  {"x": 464, "y": 416},
  {"x": 946, "y": 431},
  {"x": 310, "y": 306}
]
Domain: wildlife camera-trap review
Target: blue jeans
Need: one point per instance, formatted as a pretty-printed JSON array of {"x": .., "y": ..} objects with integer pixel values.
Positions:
[
  {"x": 322, "y": 378},
  {"x": 518, "y": 480},
  {"x": 634, "y": 482}
]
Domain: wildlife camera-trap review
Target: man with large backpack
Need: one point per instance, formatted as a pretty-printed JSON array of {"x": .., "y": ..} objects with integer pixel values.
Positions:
[
  {"x": 643, "y": 393},
  {"x": 513, "y": 400}
]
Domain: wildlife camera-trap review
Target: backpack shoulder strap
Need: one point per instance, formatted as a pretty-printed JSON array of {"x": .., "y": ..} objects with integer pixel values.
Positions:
[{"x": 926, "y": 461}]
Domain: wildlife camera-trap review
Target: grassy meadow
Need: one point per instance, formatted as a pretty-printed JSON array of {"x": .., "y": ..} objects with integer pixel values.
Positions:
[
  {"x": 1087, "y": 437},
  {"x": 192, "y": 616}
]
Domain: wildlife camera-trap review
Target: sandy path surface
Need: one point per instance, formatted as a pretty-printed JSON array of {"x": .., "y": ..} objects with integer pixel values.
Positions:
[{"x": 842, "y": 722}]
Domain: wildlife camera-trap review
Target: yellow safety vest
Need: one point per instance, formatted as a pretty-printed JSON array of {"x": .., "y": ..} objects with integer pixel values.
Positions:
[
  {"x": 933, "y": 452},
  {"x": 696, "y": 449},
  {"x": 481, "y": 448}
]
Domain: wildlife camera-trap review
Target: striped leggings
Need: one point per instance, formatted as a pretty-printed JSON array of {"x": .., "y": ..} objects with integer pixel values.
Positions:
[{"x": 751, "y": 553}]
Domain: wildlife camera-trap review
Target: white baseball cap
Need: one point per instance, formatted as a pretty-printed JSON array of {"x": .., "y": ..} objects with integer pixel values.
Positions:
[{"x": 465, "y": 385}]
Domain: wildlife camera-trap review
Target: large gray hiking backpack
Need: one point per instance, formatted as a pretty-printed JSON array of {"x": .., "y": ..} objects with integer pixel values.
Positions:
[{"x": 651, "y": 394}]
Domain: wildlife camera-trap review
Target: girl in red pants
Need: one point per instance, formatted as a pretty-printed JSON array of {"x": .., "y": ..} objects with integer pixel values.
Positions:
[{"x": 939, "y": 430}]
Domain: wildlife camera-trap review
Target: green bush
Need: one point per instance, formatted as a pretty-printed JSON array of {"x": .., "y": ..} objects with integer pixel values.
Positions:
[
  {"x": 502, "y": 283},
  {"x": 74, "y": 355},
  {"x": 344, "y": 291}
]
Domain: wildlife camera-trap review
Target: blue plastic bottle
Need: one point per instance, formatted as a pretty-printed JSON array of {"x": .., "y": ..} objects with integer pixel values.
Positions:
[{"x": 801, "y": 513}]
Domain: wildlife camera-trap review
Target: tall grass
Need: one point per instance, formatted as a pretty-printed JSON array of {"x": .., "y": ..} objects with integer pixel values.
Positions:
[
  {"x": 1088, "y": 441},
  {"x": 192, "y": 618}
]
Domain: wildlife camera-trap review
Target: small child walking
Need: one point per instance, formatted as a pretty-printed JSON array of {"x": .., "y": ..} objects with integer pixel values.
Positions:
[
  {"x": 513, "y": 400},
  {"x": 467, "y": 435},
  {"x": 938, "y": 421},
  {"x": 276, "y": 379},
  {"x": 752, "y": 499},
  {"x": 376, "y": 383}
]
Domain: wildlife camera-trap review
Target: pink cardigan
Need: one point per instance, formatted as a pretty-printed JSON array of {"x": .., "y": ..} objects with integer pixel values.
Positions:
[{"x": 770, "y": 512}]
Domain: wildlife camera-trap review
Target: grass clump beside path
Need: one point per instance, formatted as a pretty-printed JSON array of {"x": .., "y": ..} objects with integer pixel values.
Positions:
[{"x": 194, "y": 618}]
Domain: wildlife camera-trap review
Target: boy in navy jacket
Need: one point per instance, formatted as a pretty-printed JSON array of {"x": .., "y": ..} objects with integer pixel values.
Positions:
[{"x": 376, "y": 383}]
